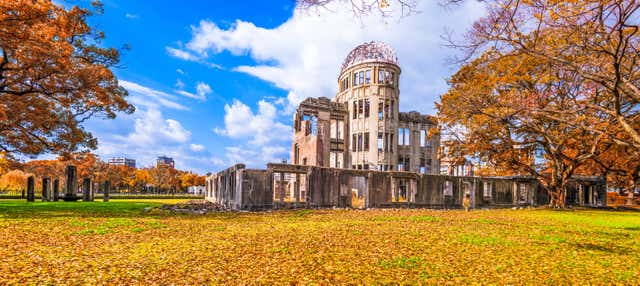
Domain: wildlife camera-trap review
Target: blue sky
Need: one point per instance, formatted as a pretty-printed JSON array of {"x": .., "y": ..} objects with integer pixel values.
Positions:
[{"x": 216, "y": 82}]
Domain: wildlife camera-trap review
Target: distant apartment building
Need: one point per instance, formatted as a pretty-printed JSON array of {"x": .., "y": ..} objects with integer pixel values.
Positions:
[
  {"x": 131, "y": 163},
  {"x": 164, "y": 160}
]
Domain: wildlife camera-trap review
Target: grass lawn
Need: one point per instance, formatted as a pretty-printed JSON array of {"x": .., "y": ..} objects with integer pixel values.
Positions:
[{"x": 117, "y": 243}]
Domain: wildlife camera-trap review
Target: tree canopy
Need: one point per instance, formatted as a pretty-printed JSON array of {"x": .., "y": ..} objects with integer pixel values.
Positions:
[
  {"x": 550, "y": 89},
  {"x": 54, "y": 75}
]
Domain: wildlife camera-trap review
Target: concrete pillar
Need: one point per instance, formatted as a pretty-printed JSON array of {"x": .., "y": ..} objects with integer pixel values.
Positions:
[
  {"x": 31, "y": 184},
  {"x": 296, "y": 189},
  {"x": 581, "y": 201},
  {"x": 105, "y": 191},
  {"x": 86, "y": 190},
  {"x": 45, "y": 189},
  {"x": 282, "y": 190},
  {"x": 56, "y": 189},
  {"x": 70, "y": 192}
]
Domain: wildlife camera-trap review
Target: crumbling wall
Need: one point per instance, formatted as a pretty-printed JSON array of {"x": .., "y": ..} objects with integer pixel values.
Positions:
[
  {"x": 312, "y": 187},
  {"x": 255, "y": 190}
]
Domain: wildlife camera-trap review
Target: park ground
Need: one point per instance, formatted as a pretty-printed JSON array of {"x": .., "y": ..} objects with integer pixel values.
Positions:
[{"x": 119, "y": 243}]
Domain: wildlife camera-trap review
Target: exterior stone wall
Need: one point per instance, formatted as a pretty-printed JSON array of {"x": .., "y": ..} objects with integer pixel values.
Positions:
[{"x": 297, "y": 186}]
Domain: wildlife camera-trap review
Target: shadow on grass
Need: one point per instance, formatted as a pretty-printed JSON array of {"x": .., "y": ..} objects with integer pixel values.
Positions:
[{"x": 598, "y": 247}]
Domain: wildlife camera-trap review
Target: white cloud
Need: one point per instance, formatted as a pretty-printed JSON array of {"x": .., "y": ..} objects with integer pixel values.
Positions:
[
  {"x": 177, "y": 53},
  {"x": 304, "y": 54},
  {"x": 188, "y": 94},
  {"x": 188, "y": 56},
  {"x": 148, "y": 132},
  {"x": 254, "y": 157},
  {"x": 179, "y": 84},
  {"x": 203, "y": 89},
  {"x": 196, "y": 147},
  {"x": 131, "y": 16},
  {"x": 261, "y": 127},
  {"x": 146, "y": 96},
  {"x": 179, "y": 71},
  {"x": 152, "y": 128}
]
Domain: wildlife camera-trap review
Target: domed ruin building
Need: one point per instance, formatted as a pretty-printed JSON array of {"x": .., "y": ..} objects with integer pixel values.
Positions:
[{"x": 362, "y": 127}]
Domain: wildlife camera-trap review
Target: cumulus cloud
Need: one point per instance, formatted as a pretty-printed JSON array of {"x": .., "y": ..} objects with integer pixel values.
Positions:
[
  {"x": 152, "y": 128},
  {"x": 148, "y": 132},
  {"x": 254, "y": 157},
  {"x": 260, "y": 128},
  {"x": 196, "y": 147},
  {"x": 203, "y": 89},
  {"x": 304, "y": 54}
]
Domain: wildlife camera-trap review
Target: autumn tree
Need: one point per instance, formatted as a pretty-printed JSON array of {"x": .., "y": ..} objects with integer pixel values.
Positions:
[
  {"x": 141, "y": 178},
  {"x": 13, "y": 181},
  {"x": 619, "y": 164},
  {"x": 594, "y": 42},
  {"x": 7, "y": 163},
  {"x": 54, "y": 75},
  {"x": 165, "y": 177},
  {"x": 517, "y": 113}
]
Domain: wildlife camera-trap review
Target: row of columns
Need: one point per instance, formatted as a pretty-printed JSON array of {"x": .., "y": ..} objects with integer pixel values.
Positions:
[{"x": 51, "y": 192}]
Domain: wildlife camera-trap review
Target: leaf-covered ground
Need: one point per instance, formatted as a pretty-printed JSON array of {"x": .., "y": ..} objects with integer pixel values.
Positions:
[{"x": 117, "y": 243}]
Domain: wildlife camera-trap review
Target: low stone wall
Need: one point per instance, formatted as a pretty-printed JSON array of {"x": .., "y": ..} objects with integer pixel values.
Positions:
[{"x": 296, "y": 186}]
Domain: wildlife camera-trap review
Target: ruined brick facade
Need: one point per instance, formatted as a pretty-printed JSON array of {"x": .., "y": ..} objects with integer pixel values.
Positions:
[
  {"x": 298, "y": 186},
  {"x": 361, "y": 127}
]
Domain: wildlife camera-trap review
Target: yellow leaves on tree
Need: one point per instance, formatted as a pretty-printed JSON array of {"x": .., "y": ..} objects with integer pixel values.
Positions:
[
  {"x": 54, "y": 75},
  {"x": 550, "y": 88},
  {"x": 13, "y": 180}
]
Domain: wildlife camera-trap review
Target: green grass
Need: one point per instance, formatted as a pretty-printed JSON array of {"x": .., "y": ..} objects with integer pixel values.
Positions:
[
  {"x": 118, "y": 243},
  {"x": 120, "y": 208}
]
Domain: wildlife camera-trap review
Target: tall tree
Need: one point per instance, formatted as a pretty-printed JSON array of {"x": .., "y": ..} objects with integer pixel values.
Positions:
[
  {"x": 595, "y": 42},
  {"x": 517, "y": 113},
  {"x": 54, "y": 75}
]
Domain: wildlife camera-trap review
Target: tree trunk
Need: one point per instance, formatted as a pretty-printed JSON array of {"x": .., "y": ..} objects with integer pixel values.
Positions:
[{"x": 557, "y": 196}]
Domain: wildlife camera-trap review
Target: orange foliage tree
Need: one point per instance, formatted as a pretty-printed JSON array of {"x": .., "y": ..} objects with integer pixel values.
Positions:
[
  {"x": 13, "y": 181},
  {"x": 513, "y": 111},
  {"x": 593, "y": 43},
  {"x": 54, "y": 75},
  {"x": 165, "y": 178}
]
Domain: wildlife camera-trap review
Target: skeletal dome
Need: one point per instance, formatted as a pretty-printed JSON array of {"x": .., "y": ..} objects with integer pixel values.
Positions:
[{"x": 370, "y": 52}]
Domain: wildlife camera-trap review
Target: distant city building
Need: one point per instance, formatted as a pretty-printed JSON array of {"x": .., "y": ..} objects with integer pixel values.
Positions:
[
  {"x": 123, "y": 162},
  {"x": 164, "y": 160}
]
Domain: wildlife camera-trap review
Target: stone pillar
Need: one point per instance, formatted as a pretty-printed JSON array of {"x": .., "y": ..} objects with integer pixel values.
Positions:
[
  {"x": 296, "y": 190},
  {"x": 70, "y": 192},
  {"x": 282, "y": 190},
  {"x": 31, "y": 184},
  {"x": 105, "y": 191},
  {"x": 45, "y": 189},
  {"x": 86, "y": 190},
  {"x": 56, "y": 189}
]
